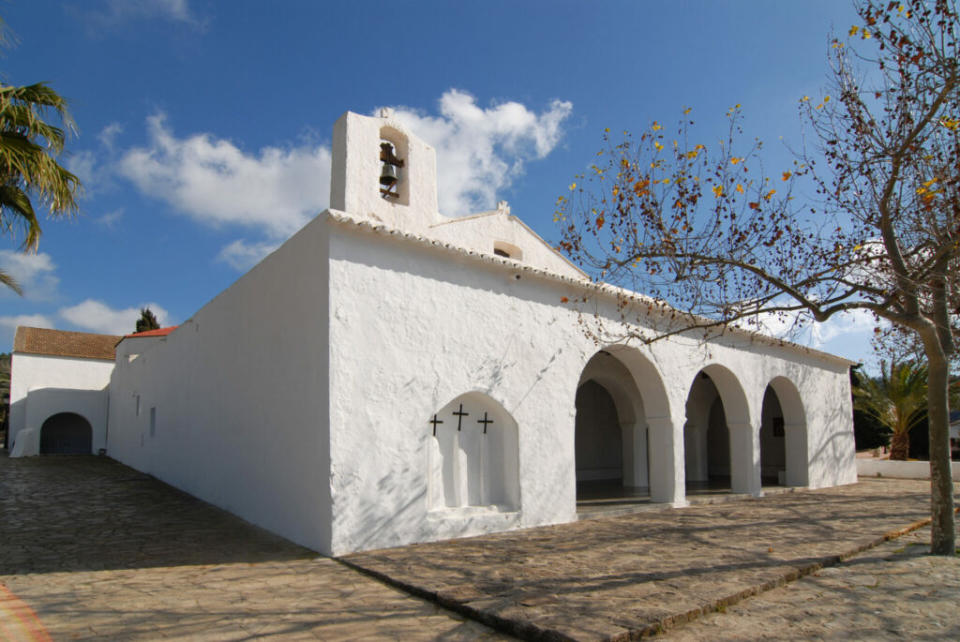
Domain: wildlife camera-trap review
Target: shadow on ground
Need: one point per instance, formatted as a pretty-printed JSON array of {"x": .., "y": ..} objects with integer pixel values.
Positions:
[{"x": 80, "y": 512}]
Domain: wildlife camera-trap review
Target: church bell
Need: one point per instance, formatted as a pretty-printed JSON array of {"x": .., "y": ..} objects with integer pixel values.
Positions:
[{"x": 388, "y": 175}]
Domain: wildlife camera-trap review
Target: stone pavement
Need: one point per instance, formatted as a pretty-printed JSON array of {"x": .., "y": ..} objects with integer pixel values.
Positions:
[
  {"x": 90, "y": 549},
  {"x": 628, "y": 576},
  {"x": 892, "y": 592},
  {"x": 95, "y": 550}
]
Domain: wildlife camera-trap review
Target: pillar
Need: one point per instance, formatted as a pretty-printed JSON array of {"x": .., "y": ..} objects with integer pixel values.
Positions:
[
  {"x": 666, "y": 461},
  {"x": 745, "y": 459}
]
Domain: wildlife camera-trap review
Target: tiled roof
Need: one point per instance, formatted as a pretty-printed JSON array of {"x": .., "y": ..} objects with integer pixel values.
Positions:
[
  {"x": 61, "y": 343},
  {"x": 159, "y": 332}
]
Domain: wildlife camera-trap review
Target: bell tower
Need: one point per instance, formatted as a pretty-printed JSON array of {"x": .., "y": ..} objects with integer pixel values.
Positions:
[{"x": 383, "y": 173}]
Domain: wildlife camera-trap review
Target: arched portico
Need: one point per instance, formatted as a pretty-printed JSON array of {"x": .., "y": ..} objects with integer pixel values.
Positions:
[
  {"x": 783, "y": 435},
  {"x": 721, "y": 448},
  {"x": 66, "y": 433},
  {"x": 624, "y": 437}
]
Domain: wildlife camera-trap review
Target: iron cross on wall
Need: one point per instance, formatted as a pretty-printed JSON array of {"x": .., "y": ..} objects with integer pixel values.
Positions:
[{"x": 460, "y": 414}]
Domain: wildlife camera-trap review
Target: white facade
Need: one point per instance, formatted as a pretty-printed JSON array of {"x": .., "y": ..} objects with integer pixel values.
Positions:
[
  {"x": 42, "y": 386},
  {"x": 388, "y": 376}
]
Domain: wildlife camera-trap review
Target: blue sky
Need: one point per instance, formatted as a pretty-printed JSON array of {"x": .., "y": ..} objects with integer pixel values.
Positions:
[{"x": 204, "y": 127}]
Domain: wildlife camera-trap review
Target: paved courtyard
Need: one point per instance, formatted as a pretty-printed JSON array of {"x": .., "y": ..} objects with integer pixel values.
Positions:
[
  {"x": 90, "y": 549},
  {"x": 96, "y": 550}
]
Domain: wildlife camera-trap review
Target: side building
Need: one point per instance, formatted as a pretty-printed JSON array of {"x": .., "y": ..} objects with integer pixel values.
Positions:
[{"x": 58, "y": 391}]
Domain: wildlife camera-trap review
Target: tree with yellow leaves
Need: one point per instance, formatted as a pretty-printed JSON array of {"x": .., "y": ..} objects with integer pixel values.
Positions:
[{"x": 715, "y": 241}]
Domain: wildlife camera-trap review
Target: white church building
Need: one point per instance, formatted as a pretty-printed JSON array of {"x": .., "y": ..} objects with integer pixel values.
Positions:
[{"x": 390, "y": 375}]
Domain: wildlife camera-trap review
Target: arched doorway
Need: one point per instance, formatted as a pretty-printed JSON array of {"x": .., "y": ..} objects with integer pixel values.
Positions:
[
  {"x": 706, "y": 438},
  {"x": 773, "y": 450},
  {"x": 622, "y": 413},
  {"x": 718, "y": 438},
  {"x": 598, "y": 443},
  {"x": 66, "y": 433},
  {"x": 783, "y": 435}
]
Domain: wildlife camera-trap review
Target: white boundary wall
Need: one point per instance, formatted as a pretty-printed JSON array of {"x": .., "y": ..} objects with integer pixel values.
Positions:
[
  {"x": 900, "y": 469},
  {"x": 240, "y": 395}
]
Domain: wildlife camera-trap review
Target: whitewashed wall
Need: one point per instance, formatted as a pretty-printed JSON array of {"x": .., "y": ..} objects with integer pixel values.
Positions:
[
  {"x": 413, "y": 327},
  {"x": 59, "y": 379},
  {"x": 484, "y": 232},
  {"x": 240, "y": 392}
]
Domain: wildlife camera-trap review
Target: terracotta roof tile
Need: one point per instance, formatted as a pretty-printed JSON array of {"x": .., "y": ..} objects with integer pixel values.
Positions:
[
  {"x": 159, "y": 332},
  {"x": 61, "y": 343}
]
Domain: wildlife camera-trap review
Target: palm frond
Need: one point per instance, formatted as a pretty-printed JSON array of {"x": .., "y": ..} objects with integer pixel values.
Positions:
[{"x": 10, "y": 282}]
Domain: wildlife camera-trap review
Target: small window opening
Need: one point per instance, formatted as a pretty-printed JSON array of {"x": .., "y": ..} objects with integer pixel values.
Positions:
[
  {"x": 138, "y": 405},
  {"x": 389, "y": 172},
  {"x": 507, "y": 250},
  {"x": 153, "y": 421}
]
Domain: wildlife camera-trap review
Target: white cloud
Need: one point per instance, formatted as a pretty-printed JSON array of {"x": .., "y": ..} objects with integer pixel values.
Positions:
[
  {"x": 277, "y": 190},
  {"x": 35, "y": 272},
  {"x": 29, "y": 320},
  {"x": 108, "y": 135},
  {"x": 242, "y": 256},
  {"x": 114, "y": 13},
  {"x": 845, "y": 332},
  {"x": 111, "y": 218},
  {"x": 481, "y": 151},
  {"x": 94, "y": 168},
  {"x": 9, "y": 323},
  {"x": 96, "y": 316},
  {"x": 215, "y": 182}
]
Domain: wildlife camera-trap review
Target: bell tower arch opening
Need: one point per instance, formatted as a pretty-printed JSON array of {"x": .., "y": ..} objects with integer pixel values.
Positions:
[{"x": 393, "y": 180}]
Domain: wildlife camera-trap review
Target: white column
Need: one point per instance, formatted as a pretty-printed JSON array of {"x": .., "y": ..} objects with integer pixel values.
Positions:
[
  {"x": 666, "y": 461},
  {"x": 634, "y": 436},
  {"x": 745, "y": 459},
  {"x": 798, "y": 462},
  {"x": 695, "y": 449}
]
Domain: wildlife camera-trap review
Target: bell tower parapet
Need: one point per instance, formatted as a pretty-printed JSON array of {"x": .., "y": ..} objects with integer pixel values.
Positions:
[{"x": 382, "y": 172}]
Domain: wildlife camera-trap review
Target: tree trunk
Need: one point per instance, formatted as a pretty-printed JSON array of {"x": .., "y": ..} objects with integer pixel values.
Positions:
[
  {"x": 942, "y": 536},
  {"x": 900, "y": 446}
]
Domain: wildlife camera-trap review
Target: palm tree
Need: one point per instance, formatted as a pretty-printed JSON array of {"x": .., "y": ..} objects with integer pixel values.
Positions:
[
  {"x": 898, "y": 400},
  {"x": 29, "y": 145}
]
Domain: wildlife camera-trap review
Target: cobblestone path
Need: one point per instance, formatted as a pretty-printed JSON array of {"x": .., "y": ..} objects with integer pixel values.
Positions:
[
  {"x": 91, "y": 549},
  {"x": 639, "y": 574},
  {"x": 96, "y": 550}
]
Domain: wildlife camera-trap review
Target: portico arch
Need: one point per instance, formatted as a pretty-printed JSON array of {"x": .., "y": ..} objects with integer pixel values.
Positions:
[
  {"x": 66, "y": 433},
  {"x": 622, "y": 416},
  {"x": 720, "y": 446},
  {"x": 783, "y": 434}
]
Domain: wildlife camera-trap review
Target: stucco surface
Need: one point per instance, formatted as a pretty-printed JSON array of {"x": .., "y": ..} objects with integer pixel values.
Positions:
[
  {"x": 420, "y": 328},
  {"x": 240, "y": 392}
]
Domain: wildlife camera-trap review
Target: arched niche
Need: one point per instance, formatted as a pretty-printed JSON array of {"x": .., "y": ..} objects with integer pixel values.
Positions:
[
  {"x": 474, "y": 455},
  {"x": 783, "y": 434},
  {"x": 66, "y": 433},
  {"x": 401, "y": 150}
]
